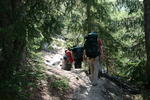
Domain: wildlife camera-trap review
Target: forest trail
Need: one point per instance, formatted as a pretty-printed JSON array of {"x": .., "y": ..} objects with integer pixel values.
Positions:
[
  {"x": 80, "y": 87},
  {"x": 54, "y": 57}
]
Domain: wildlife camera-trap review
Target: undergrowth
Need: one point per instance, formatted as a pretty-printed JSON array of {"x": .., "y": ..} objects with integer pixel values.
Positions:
[
  {"x": 59, "y": 83},
  {"x": 27, "y": 77}
]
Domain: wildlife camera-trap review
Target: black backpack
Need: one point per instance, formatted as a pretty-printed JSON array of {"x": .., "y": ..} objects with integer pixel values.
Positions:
[
  {"x": 91, "y": 45},
  {"x": 78, "y": 53}
]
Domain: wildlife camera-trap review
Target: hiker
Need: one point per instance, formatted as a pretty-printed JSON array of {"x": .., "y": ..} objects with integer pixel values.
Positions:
[
  {"x": 101, "y": 54},
  {"x": 92, "y": 54},
  {"x": 67, "y": 60},
  {"x": 78, "y": 56}
]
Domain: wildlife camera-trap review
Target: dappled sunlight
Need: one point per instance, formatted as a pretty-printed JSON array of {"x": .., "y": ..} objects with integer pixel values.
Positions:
[
  {"x": 79, "y": 82},
  {"x": 75, "y": 49}
]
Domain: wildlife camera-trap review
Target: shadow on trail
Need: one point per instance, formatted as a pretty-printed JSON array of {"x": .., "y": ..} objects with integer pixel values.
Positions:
[
  {"x": 146, "y": 95},
  {"x": 108, "y": 88},
  {"x": 105, "y": 90}
]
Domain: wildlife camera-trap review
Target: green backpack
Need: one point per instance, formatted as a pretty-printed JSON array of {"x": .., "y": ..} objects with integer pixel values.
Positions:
[{"x": 91, "y": 45}]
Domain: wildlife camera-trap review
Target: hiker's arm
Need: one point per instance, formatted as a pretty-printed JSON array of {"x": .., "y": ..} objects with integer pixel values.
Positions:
[{"x": 101, "y": 52}]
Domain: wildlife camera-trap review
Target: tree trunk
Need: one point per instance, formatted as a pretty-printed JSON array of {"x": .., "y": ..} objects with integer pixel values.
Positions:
[
  {"x": 13, "y": 41},
  {"x": 89, "y": 17},
  {"x": 147, "y": 36}
]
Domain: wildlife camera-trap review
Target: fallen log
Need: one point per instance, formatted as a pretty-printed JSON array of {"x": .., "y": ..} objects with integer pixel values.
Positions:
[{"x": 119, "y": 83}]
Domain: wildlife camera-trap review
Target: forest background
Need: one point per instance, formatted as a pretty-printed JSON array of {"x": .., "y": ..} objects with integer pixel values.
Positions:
[{"x": 26, "y": 25}]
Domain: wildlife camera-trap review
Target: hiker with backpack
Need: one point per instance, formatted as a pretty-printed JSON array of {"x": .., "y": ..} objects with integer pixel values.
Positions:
[
  {"x": 67, "y": 60},
  {"x": 78, "y": 56},
  {"x": 92, "y": 54}
]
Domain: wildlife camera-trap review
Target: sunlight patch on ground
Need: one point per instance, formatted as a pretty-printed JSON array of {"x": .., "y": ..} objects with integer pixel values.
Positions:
[{"x": 54, "y": 57}]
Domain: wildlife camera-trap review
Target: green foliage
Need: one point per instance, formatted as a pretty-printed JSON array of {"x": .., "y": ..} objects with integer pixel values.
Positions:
[
  {"x": 31, "y": 24},
  {"x": 57, "y": 42},
  {"x": 34, "y": 22},
  {"x": 18, "y": 87},
  {"x": 120, "y": 26},
  {"x": 43, "y": 20},
  {"x": 136, "y": 71},
  {"x": 131, "y": 5},
  {"x": 61, "y": 83},
  {"x": 131, "y": 36}
]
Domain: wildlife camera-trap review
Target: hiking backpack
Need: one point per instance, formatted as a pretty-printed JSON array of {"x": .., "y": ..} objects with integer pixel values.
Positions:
[
  {"x": 91, "y": 45},
  {"x": 78, "y": 53}
]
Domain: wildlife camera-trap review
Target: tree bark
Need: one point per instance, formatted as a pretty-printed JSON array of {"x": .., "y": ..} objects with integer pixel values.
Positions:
[
  {"x": 147, "y": 36},
  {"x": 89, "y": 17},
  {"x": 13, "y": 41}
]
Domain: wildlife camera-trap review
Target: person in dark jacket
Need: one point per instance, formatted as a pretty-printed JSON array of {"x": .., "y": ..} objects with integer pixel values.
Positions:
[
  {"x": 92, "y": 54},
  {"x": 78, "y": 56}
]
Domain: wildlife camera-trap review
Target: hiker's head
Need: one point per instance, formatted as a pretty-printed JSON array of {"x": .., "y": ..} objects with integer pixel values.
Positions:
[
  {"x": 74, "y": 46},
  {"x": 65, "y": 51},
  {"x": 69, "y": 49},
  {"x": 95, "y": 34}
]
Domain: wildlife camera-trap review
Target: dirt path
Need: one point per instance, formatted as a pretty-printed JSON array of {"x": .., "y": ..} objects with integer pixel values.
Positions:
[
  {"x": 79, "y": 83},
  {"x": 54, "y": 57}
]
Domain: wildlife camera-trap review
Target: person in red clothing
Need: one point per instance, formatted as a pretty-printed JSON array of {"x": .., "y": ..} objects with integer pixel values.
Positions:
[
  {"x": 101, "y": 56},
  {"x": 100, "y": 44},
  {"x": 69, "y": 56},
  {"x": 67, "y": 60}
]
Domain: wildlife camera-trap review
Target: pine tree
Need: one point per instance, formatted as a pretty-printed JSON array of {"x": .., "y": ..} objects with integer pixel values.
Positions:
[
  {"x": 147, "y": 35},
  {"x": 13, "y": 39}
]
